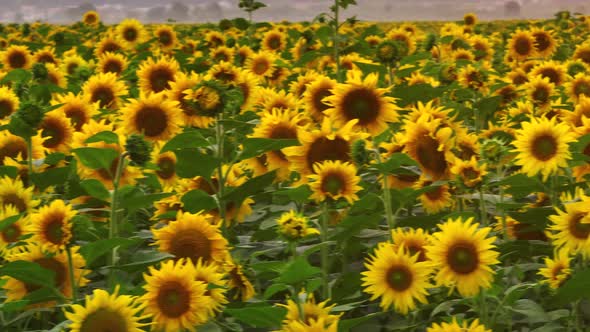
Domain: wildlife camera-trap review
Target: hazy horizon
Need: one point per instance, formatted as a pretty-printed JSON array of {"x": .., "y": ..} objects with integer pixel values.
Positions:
[{"x": 113, "y": 11}]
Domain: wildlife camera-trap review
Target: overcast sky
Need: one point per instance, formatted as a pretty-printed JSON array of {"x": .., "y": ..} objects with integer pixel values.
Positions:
[{"x": 112, "y": 11}]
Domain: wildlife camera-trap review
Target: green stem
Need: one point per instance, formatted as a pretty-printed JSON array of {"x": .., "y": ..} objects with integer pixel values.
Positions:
[
  {"x": 501, "y": 209},
  {"x": 219, "y": 132},
  {"x": 335, "y": 39},
  {"x": 326, "y": 292},
  {"x": 30, "y": 159},
  {"x": 72, "y": 277},
  {"x": 114, "y": 223},
  {"x": 482, "y": 208},
  {"x": 554, "y": 193},
  {"x": 389, "y": 215}
]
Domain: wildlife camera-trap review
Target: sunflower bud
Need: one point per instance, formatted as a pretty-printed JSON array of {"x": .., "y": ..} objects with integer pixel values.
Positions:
[
  {"x": 139, "y": 149},
  {"x": 388, "y": 51},
  {"x": 26, "y": 120},
  {"x": 40, "y": 73},
  {"x": 429, "y": 42},
  {"x": 83, "y": 73},
  {"x": 493, "y": 150},
  {"x": 576, "y": 68},
  {"x": 360, "y": 155}
]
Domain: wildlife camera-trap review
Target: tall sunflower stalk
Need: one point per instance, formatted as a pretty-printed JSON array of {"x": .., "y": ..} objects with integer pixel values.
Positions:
[{"x": 334, "y": 23}]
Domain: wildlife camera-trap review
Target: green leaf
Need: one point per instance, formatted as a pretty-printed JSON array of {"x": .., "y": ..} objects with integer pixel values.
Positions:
[
  {"x": 10, "y": 171},
  {"x": 249, "y": 188},
  {"x": 95, "y": 250},
  {"x": 8, "y": 221},
  {"x": 353, "y": 225},
  {"x": 256, "y": 315},
  {"x": 96, "y": 158},
  {"x": 324, "y": 34},
  {"x": 575, "y": 288},
  {"x": 141, "y": 261},
  {"x": 253, "y": 147},
  {"x": 368, "y": 68},
  {"x": 186, "y": 140},
  {"x": 17, "y": 75},
  {"x": 414, "y": 93},
  {"x": 298, "y": 271},
  {"x": 104, "y": 136},
  {"x": 192, "y": 162},
  {"x": 141, "y": 201},
  {"x": 198, "y": 200},
  {"x": 29, "y": 273},
  {"x": 96, "y": 189},
  {"x": 532, "y": 310},
  {"x": 51, "y": 177},
  {"x": 521, "y": 185},
  {"x": 393, "y": 164},
  {"x": 273, "y": 289},
  {"x": 298, "y": 194},
  {"x": 346, "y": 324},
  {"x": 13, "y": 306}
]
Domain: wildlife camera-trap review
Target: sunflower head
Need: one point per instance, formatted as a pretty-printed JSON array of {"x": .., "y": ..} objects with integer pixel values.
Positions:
[
  {"x": 556, "y": 270},
  {"x": 139, "y": 149},
  {"x": 294, "y": 226},
  {"x": 334, "y": 180}
]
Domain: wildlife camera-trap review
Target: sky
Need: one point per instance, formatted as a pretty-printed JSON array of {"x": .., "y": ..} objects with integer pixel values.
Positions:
[{"x": 112, "y": 11}]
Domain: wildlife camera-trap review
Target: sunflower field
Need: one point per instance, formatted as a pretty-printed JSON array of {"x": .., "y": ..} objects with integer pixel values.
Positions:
[{"x": 332, "y": 175}]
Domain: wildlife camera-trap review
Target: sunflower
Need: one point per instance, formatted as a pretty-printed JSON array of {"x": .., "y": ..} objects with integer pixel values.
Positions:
[
  {"x": 542, "y": 146},
  {"x": 214, "y": 39},
  {"x": 51, "y": 226},
  {"x": 16, "y": 56},
  {"x": 242, "y": 54},
  {"x": 190, "y": 114},
  {"x": 518, "y": 77},
  {"x": 397, "y": 278},
  {"x": 53, "y": 261},
  {"x": 413, "y": 241},
  {"x": 321, "y": 145},
  {"x": 222, "y": 54},
  {"x": 553, "y": 70},
  {"x": 522, "y": 45},
  {"x": 482, "y": 47},
  {"x": 539, "y": 91},
  {"x": 462, "y": 254},
  {"x": 153, "y": 116},
  {"x": 568, "y": 230},
  {"x": 269, "y": 99},
  {"x": 556, "y": 270},
  {"x": 55, "y": 76},
  {"x": 69, "y": 64},
  {"x": 293, "y": 226},
  {"x": 108, "y": 43},
  {"x": 473, "y": 78},
  {"x": 278, "y": 124},
  {"x": 578, "y": 86},
  {"x": 430, "y": 145},
  {"x": 436, "y": 198},
  {"x": 131, "y": 32},
  {"x": 334, "y": 179},
  {"x": 174, "y": 298},
  {"x": 9, "y": 102},
  {"x": 109, "y": 62},
  {"x": 166, "y": 172},
  {"x": 248, "y": 84},
  {"x": 156, "y": 75},
  {"x": 130, "y": 173},
  {"x": 192, "y": 236},
  {"x": 106, "y": 312},
  {"x": 278, "y": 75},
  {"x": 545, "y": 43},
  {"x": 312, "y": 325},
  {"x": 225, "y": 72},
  {"x": 274, "y": 41},
  {"x": 405, "y": 38},
  {"x": 470, "y": 19},
  {"x": 166, "y": 37},
  {"x": 361, "y": 100},
  {"x": 307, "y": 312},
  {"x": 75, "y": 108},
  {"x": 45, "y": 55},
  {"x": 106, "y": 89},
  {"x": 315, "y": 92},
  {"x": 11, "y": 233},
  {"x": 12, "y": 192},
  {"x": 582, "y": 53},
  {"x": 91, "y": 17},
  {"x": 212, "y": 275},
  {"x": 239, "y": 281},
  {"x": 57, "y": 132},
  {"x": 261, "y": 64},
  {"x": 454, "y": 326},
  {"x": 469, "y": 172}
]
